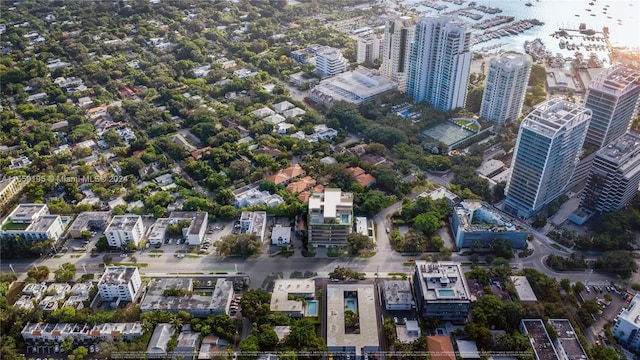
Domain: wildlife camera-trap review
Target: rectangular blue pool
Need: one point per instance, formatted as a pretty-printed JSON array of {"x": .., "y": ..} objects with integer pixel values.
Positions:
[
  {"x": 312, "y": 308},
  {"x": 351, "y": 304},
  {"x": 446, "y": 292}
]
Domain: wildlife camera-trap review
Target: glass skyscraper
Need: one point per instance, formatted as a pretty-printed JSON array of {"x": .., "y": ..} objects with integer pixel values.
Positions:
[
  {"x": 547, "y": 150},
  {"x": 613, "y": 98}
]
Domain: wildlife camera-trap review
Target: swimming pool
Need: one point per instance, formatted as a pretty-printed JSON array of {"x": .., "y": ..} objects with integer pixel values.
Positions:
[
  {"x": 446, "y": 292},
  {"x": 351, "y": 304},
  {"x": 405, "y": 113},
  {"x": 312, "y": 308},
  {"x": 345, "y": 218}
]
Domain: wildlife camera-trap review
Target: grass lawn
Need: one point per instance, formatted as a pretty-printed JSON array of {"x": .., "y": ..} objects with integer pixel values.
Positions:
[
  {"x": 308, "y": 254},
  {"x": 8, "y": 225}
]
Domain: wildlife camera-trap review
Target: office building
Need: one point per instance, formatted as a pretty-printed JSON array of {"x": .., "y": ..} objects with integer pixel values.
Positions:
[
  {"x": 539, "y": 337},
  {"x": 474, "y": 220},
  {"x": 32, "y": 222},
  {"x": 505, "y": 88},
  {"x": 330, "y": 62},
  {"x": 355, "y": 87},
  {"x": 368, "y": 48},
  {"x": 615, "y": 175},
  {"x": 613, "y": 99},
  {"x": 440, "y": 62},
  {"x": 398, "y": 36},
  {"x": 441, "y": 291},
  {"x": 124, "y": 229},
  {"x": 330, "y": 218},
  {"x": 546, "y": 153},
  {"x": 627, "y": 326},
  {"x": 119, "y": 283}
]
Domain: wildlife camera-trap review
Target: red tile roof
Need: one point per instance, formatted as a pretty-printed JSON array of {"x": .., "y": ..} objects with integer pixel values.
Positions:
[{"x": 440, "y": 348}]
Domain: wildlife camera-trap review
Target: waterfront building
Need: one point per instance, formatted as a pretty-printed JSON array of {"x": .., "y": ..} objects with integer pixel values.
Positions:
[
  {"x": 505, "y": 88},
  {"x": 119, "y": 283},
  {"x": 615, "y": 175},
  {"x": 613, "y": 99},
  {"x": 546, "y": 153},
  {"x": 124, "y": 229},
  {"x": 440, "y": 62},
  {"x": 441, "y": 291},
  {"x": 398, "y": 35},
  {"x": 330, "y": 218}
]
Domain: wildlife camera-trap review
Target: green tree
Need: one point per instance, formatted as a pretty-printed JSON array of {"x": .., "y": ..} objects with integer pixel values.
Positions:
[
  {"x": 427, "y": 222},
  {"x": 351, "y": 319},
  {"x": 357, "y": 242},
  {"x": 40, "y": 273},
  {"x": 107, "y": 259},
  {"x": 255, "y": 304},
  {"x": 65, "y": 272},
  {"x": 239, "y": 244},
  {"x": 603, "y": 353}
]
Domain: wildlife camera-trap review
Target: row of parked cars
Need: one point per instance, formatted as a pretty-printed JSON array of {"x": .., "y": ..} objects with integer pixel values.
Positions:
[
  {"x": 235, "y": 305},
  {"x": 57, "y": 349}
]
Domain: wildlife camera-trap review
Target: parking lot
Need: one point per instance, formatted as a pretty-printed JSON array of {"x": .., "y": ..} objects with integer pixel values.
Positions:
[{"x": 609, "y": 311}]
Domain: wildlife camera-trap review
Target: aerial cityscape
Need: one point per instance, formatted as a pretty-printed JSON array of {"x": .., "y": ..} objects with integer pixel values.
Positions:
[{"x": 320, "y": 179}]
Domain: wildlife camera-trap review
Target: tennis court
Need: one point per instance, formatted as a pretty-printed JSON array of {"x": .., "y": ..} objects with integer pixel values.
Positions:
[{"x": 446, "y": 132}]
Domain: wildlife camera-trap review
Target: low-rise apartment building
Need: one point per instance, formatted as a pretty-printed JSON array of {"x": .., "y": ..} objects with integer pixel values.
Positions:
[
  {"x": 441, "y": 291},
  {"x": 119, "y": 283},
  {"x": 330, "y": 218}
]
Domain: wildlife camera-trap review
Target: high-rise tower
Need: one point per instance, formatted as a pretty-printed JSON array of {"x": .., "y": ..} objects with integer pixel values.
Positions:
[
  {"x": 545, "y": 156},
  {"x": 615, "y": 175},
  {"x": 505, "y": 88},
  {"x": 613, "y": 98},
  {"x": 440, "y": 62},
  {"x": 398, "y": 36}
]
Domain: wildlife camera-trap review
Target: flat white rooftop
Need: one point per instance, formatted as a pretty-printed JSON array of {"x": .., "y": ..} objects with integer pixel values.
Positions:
[{"x": 366, "y": 310}]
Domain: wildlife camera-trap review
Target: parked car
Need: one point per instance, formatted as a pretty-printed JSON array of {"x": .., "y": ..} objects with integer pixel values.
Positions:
[
  {"x": 209, "y": 283},
  {"x": 97, "y": 348}
]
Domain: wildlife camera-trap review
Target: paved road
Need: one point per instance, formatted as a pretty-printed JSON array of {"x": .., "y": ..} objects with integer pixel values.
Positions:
[{"x": 386, "y": 260}]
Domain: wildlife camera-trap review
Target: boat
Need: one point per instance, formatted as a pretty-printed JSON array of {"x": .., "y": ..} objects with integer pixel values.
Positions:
[
  {"x": 587, "y": 9},
  {"x": 529, "y": 4},
  {"x": 591, "y": 3},
  {"x": 577, "y": 15},
  {"x": 593, "y": 14}
]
